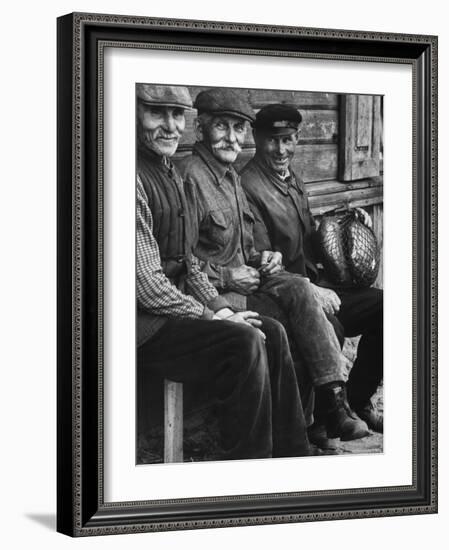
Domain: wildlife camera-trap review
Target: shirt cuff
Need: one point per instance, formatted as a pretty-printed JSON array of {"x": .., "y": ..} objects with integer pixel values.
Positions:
[
  {"x": 208, "y": 314},
  {"x": 225, "y": 277},
  {"x": 217, "y": 303}
]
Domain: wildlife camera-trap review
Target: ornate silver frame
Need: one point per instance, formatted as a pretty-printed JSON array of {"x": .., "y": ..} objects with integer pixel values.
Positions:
[{"x": 81, "y": 42}]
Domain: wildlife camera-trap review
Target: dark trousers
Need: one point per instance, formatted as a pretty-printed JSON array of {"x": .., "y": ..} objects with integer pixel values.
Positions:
[
  {"x": 361, "y": 313},
  {"x": 260, "y": 410}
]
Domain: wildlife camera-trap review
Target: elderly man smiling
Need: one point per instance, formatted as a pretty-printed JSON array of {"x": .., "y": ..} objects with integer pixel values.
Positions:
[
  {"x": 186, "y": 331},
  {"x": 250, "y": 278},
  {"x": 279, "y": 202}
]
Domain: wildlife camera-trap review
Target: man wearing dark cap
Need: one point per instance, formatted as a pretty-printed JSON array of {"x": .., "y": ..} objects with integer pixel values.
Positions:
[
  {"x": 251, "y": 278},
  {"x": 186, "y": 331},
  {"x": 283, "y": 222}
]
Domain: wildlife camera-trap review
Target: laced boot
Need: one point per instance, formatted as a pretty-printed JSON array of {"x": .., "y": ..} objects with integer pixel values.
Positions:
[{"x": 340, "y": 420}]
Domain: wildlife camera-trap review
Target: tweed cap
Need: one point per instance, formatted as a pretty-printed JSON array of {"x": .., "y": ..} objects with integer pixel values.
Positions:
[
  {"x": 279, "y": 119},
  {"x": 223, "y": 101},
  {"x": 169, "y": 96}
]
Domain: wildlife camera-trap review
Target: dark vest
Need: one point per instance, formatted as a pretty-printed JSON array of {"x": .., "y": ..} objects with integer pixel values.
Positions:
[{"x": 171, "y": 228}]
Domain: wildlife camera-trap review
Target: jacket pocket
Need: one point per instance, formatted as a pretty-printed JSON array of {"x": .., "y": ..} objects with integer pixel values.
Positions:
[
  {"x": 219, "y": 218},
  {"x": 220, "y": 227}
]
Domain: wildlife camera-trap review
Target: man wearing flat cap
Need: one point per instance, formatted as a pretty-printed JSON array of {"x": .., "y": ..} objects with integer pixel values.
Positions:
[
  {"x": 251, "y": 278},
  {"x": 283, "y": 222},
  {"x": 186, "y": 331}
]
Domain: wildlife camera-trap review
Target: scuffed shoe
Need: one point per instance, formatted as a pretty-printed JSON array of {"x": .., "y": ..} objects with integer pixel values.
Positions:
[{"x": 373, "y": 418}]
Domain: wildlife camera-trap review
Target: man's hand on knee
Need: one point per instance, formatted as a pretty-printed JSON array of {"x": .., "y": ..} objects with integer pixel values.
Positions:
[
  {"x": 328, "y": 299},
  {"x": 250, "y": 318}
]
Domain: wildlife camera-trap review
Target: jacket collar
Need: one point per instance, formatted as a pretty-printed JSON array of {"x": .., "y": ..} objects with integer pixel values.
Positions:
[
  {"x": 282, "y": 184},
  {"x": 218, "y": 169}
]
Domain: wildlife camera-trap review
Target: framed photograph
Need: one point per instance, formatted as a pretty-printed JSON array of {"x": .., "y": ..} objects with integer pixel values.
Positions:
[{"x": 247, "y": 274}]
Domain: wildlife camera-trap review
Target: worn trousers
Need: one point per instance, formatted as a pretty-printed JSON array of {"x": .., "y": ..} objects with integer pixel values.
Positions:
[
  {"x": 289, "y": 298},
  {"x": 361, "y": 313},
  {"x": 260, "y": 409}
]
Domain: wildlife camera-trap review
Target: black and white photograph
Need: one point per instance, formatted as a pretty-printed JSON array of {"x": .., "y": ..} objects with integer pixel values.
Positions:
[{"x": 259, "y": 273}]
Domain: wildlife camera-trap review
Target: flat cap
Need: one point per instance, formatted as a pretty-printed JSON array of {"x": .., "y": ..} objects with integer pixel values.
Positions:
[
  {"x": 279, "y": 119},
  {"x": 223, "y": 101},
  {"x": 170, "y": 96}
]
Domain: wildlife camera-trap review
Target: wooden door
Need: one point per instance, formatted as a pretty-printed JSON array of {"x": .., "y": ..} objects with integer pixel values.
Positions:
[{"x": 360, "y": 130}]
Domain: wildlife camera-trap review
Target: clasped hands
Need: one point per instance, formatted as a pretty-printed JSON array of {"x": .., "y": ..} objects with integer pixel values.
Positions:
[{"x": 246, "y": 279}]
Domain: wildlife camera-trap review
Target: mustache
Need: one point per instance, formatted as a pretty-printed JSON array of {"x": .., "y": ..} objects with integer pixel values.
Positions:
[{"x": 234, "y": 148}]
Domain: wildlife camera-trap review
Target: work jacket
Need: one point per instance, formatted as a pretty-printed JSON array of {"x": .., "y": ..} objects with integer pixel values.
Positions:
[{"x": 283, "y": 221}]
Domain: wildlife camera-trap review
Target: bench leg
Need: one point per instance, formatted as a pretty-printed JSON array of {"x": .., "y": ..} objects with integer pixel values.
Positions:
[{"x": 173, "y": 421}]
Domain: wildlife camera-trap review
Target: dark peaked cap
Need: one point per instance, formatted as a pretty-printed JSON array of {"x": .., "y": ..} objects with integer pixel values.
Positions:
[
  {"x": 169, "y": 96},
  {"x": 278, "y": 119},
  {"x": 223, "y": 101}
]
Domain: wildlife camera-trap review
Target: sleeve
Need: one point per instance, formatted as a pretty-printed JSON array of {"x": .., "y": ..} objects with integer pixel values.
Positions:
[
  {"x": 312, "y": 239},
  {"x": 217, "y": 275},
  {"x": 201, "y": 285},
  {"x": 155, "y": 292},
  {"x": 262, "y": 239}
]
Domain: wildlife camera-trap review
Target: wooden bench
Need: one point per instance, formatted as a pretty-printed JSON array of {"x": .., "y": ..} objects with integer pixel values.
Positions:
[{"x": 173, "y": 421}]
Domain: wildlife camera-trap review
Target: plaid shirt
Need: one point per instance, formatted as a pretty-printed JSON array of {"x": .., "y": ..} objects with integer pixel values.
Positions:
[{"x": 156, "y": 294}]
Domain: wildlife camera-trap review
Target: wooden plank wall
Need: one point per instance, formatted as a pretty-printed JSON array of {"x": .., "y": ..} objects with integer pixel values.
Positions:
[{"x": 316, "y": 157}]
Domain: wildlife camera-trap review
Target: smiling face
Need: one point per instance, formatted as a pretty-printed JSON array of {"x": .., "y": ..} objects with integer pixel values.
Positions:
[
  {"x": 277, "y": 151},
  {"x": 223, "y": 135},
  {"x": 160, "y": 127}
]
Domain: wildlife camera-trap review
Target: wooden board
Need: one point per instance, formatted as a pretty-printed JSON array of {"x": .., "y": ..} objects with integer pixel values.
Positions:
[
  {"x": 173, "y": 421},
  {"x": 259, "y": 98},
  {"x": 346, "y": 198},
  {"x": 378, "y": 219},
  {"x": 316, "y": 127},
  {"x": 316, "y": 162},
  {"x": 334, "y": 186}
]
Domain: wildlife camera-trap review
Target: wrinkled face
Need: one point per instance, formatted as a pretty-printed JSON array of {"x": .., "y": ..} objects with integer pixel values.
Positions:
[
  {"x": 277, "y": 151},
  {"x": 160, "y": 127},
  {"x": 223, "y": 135}
]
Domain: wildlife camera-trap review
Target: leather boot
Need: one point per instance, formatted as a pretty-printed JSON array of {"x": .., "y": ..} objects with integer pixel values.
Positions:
[
  {"x": 340, "y": 420},
  {"x": 374, "y": 419}
]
